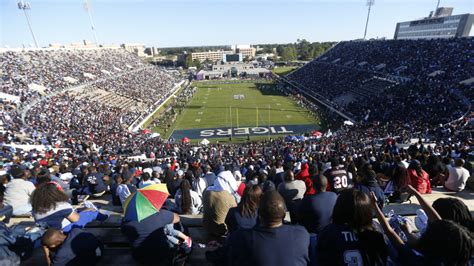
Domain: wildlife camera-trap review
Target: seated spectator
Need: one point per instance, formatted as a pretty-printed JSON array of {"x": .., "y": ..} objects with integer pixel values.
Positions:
[
  {"x": 18, "y": 192},
  {"x": 337, "y": 176},
  {"x": 198, "y": 183},
  {"x": 95, "y": 182},
  {"x": 315, "y": 211},
  {"x": 431, "y": 247},
  {"x": 419, "y": 178},
  {"x": 175, "y": 183},
  {"x": 369, "y": 184},
  {"x": 113, "y": 190},
  {"x": 455, "y": 210},
  {"x": 397, "y": 185},
  {"x": 209, "y": 176},
  {"x": 76, "y": 248},
  {"x": 94, "y": 185},
  {"x": 148, "y": 240},
  {"x": 458, "y": 176},
  {"x": 351, "y": 237},
  {"x": 187, "y": 200},
  {"x": 246, "y": 213},
  {"x": 271, "y": 242},
  {"x": 304, "y": 176},
  {"x": 435, "y": 168},
  {"x": 240, "y": 185},
  {"x": 51, "y": 209},
  {"x": 292, "y": 192},
  {"x": 145, "y": 180},
  {"x": 217, "y": 200},
  {"x": 125, "y": 189},
  {"x": 265, "y": 184}
]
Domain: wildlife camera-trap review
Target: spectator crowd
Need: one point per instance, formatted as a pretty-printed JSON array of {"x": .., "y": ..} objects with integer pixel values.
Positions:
[{"x": 267, "y": 202}]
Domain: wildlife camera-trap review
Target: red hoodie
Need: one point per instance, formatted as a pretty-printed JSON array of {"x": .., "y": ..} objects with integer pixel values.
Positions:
[
  {"x": 304, "y": 176},
  {"x": 420, "y": 183}
]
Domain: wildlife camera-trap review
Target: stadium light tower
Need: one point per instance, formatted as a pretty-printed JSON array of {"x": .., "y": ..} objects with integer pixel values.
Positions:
[
  {"x": 26, "y": 6},
  {"x": 88, "y": 8},
  {"x": 370, "y": 3}
]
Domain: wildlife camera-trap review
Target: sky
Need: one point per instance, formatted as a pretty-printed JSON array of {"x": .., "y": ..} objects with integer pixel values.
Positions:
[{"x": 172, "y": 23}]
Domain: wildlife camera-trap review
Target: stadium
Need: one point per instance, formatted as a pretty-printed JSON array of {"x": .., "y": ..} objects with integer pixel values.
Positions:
[{"x": 348, "y": 152}]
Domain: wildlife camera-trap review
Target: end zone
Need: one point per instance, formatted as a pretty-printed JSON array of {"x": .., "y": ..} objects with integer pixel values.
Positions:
[{"x": 243, "y": 131}]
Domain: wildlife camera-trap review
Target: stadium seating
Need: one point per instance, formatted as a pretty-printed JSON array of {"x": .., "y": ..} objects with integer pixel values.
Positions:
[{"x": 414, "y": 71}]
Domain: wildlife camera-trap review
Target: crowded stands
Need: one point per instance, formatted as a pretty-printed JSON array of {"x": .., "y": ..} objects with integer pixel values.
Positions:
[
  {"x": 422, "y": 70},
  {"x": 316, "y": 201}
]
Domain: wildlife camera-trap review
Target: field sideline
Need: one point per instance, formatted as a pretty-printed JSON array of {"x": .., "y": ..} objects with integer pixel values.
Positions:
[{"x": 214, "y": 110}]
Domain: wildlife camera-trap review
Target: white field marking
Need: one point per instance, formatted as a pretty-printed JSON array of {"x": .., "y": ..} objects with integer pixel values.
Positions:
[
  {"x": 278, "y": 103},
  {"x": 198, "y": 120},
  {"x": 204, "y": 102},
  {"x": 199, "y": 113},
  {"x": 289, "y": 116}
]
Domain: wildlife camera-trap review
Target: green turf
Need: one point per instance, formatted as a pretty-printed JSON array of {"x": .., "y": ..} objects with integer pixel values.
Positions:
[
  {"x": 281, "y": 71},
  {"x": 214, "y": 106}
]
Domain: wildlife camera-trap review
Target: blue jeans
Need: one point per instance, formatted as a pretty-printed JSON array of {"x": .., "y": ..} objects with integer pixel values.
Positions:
[
  {"x": 85, "y": 217},
  {"x": 172, "y": 235},
  {"x": 6, "y": 211}
]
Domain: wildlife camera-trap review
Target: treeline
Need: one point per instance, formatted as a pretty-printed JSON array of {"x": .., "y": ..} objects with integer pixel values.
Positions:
[
  {"x": 195, "y": 49},
  {"x": 300, "y": 50}
]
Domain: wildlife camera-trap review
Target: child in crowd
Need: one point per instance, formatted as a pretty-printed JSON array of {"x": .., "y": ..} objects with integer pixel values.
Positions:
[
  {"x": 177, "y": 238},
  {"x": 76, "y": 248}
]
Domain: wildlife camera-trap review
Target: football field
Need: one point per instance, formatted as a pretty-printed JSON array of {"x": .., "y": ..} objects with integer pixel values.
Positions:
[{"x": 241, "y": 110}]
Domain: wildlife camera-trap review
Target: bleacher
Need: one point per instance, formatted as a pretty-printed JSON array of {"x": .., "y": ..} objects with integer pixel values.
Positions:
[
  {"x": 117, "y": 250},
  {"x": 373, "y": 86}
]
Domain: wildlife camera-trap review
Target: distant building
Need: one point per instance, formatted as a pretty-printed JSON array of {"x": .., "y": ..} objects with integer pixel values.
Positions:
[
  {"x": 152, "y": 51},
  {"x": 135, "y": 48},
  {"x": 245, "y": 51},
  {"x": 233, "y": 70},
  {"x": 440, "y": 24},
  {"x": 213, "y": 56}
]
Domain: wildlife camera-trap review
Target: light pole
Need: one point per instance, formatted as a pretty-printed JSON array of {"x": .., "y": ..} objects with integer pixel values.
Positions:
[
  {"x": 370, "y": 3},
  {"x": 87, "y": 7},
  {"x": 26, "y": 6}
]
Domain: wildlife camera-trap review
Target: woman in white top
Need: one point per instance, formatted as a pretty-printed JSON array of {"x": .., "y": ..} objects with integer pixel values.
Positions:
[{"x": 187, "y": 200}]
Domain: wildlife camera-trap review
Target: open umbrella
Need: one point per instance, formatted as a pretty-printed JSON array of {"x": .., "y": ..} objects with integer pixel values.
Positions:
[
  {"x": 185, "y": 140},
  {"x": 146, "y": 131},
  {"x": 145, "y": 202}
]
